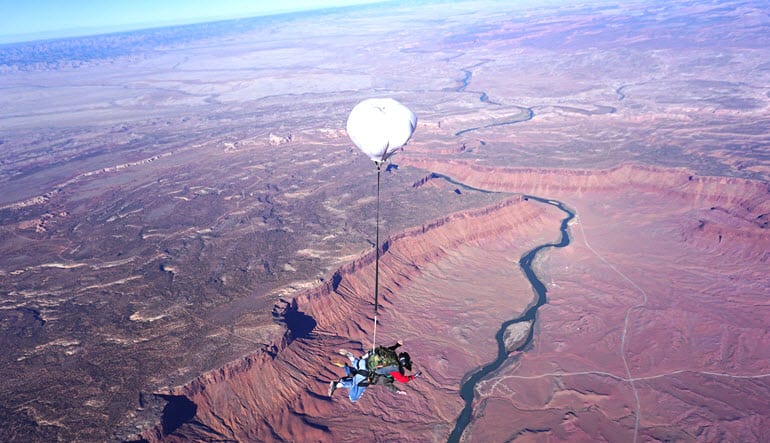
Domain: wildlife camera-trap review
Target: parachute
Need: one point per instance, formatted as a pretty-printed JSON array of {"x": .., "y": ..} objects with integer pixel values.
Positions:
[{"x": 379, "y": 127}]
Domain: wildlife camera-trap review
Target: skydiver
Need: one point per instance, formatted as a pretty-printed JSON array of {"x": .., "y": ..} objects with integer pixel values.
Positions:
[
  {"x": 385, "y": 376},
  {"x": 355, "y": 379},
  {"x": 381, "y": 367}
]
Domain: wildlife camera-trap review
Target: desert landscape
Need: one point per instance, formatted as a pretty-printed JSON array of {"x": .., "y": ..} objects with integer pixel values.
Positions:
[{"x": 574, "y": 243}]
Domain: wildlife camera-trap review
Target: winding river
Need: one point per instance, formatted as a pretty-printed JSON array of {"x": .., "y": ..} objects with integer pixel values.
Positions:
[
  {"x": 523, "y": 115},
  {"x": 468, "y": 387}
]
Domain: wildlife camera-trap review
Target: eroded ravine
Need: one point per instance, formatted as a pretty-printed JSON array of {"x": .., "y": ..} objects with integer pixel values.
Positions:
[{"x": 468, "y": 386}]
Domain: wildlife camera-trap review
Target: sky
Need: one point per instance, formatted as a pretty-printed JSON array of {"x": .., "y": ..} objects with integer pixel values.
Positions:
[{"x": 24, "y": 20}]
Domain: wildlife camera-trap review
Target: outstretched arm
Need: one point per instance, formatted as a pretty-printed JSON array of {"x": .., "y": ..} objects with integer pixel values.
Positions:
[
  {"x": 404, "y": 378},
  {"x": 384, "y": 380},
  {"x": 392, "y": 388}
]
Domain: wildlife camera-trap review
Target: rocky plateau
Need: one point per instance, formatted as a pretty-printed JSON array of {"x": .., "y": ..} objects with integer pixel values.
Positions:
[{"x": 187, "y": 233}]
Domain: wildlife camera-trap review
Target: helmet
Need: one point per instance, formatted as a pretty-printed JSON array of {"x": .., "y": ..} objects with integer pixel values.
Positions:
[{"x": 405, "y": 361}]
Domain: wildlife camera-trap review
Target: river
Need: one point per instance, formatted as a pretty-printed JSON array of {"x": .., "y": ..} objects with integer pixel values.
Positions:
[{"x": 468, "y": 387}]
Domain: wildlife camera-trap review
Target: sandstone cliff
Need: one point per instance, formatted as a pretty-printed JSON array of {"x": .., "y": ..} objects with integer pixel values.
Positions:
[{"x": 447, "y": 286}]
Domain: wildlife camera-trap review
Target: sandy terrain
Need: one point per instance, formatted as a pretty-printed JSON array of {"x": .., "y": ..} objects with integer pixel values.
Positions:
[
  {"x": 650, "y": 339},
  {"x": 186, "y": 233}
]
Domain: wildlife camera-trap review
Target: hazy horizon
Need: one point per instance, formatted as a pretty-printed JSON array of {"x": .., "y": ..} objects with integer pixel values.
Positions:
[{"x": 22, "y": 22}]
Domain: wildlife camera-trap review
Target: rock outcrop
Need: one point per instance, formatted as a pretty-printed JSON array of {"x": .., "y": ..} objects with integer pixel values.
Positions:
[
  {"x": 276, "y": 140},
  {"x": 516, "y": 335}
]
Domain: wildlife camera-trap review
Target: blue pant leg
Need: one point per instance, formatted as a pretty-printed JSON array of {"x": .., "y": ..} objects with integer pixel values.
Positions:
[
  {"x": 357, "y": 390},
  {"x": 358, "y": 364},
  {"x": 347, "y": 382}
]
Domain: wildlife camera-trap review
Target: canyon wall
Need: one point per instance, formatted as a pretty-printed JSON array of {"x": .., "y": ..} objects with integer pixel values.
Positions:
[
  {"x": 278, "y": 393},
  {"x": 446, "y": 287}
]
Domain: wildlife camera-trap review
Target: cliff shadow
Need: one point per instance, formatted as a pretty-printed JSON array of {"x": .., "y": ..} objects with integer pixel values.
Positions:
[
  {"x": 300, "y": 325},
  {"x": 177, "y": 412}
]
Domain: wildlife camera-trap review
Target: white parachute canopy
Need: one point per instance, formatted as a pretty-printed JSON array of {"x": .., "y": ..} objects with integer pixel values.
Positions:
[{"x": 380, "y": 126}]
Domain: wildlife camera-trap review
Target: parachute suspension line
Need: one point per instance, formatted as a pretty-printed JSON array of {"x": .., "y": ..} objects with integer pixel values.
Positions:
[
  {"x": 374, "y": 340},
  {"x": 377, "y": 259}
]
